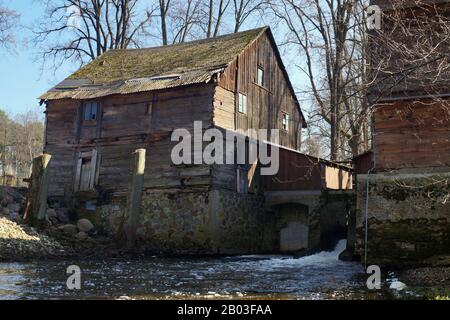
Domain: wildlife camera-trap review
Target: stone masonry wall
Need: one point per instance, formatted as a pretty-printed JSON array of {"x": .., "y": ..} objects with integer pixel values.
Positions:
[
  {"x": 408, "y": 217},
  {"x": 206, "y": 222}
]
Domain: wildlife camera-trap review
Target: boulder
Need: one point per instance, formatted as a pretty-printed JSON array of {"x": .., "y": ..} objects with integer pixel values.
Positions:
[
  {"x": 69, "y": 229},
  {"x": 397, "y": 285},
  {"x": 82, "y": 236},
  {"x": 14, "y": 216},
  {"x": 4, "y": 211},
  {"x": 51, "y": 213},
  {"x": 6, "y": 200},
  {"x": 85, "y": 225},
  {"x": 14, "y": 207},
  {"x": 62, "y": 215}
]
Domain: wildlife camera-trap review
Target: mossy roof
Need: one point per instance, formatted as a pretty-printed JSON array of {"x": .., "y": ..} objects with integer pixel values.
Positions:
[{"x": 138, "y": 70}]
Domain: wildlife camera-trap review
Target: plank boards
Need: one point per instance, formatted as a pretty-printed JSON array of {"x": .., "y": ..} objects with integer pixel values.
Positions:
[
  {"x": 411, "y": 134},
  {"x": 265, "y": 105},
  {"x": 129, "y": 122}
]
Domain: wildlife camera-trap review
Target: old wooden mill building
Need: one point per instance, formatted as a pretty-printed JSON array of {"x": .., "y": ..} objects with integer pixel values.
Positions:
[{"x": 131, "y": 99}]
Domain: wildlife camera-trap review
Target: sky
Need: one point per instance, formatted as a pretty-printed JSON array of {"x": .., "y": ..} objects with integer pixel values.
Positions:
[{"x": 22, "y": 79}]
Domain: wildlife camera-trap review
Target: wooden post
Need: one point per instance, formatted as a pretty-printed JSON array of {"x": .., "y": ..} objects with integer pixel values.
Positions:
[
  {"x": 36, "y": 207},
  {"x": 134, "y": 198}
]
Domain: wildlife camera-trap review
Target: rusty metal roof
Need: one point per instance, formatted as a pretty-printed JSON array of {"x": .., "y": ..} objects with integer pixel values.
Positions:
[{"x": 139, "y": 70}]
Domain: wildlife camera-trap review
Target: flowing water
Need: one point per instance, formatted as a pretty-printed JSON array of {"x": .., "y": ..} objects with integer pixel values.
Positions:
[{"x": 319, "y": 276}]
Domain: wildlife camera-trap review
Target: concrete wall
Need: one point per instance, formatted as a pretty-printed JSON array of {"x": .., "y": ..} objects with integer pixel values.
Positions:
[{"x": 408, "y": 217}]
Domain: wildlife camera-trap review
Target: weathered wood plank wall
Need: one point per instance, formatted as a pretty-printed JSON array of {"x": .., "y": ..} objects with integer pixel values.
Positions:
[
  {"x": 265, "y": 105},
  {"x": 127, "y": 123},
  {"x": 412, "y": 134}
]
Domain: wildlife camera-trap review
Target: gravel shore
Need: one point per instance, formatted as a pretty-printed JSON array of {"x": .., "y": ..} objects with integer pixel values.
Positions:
[{"x": 18, "y": 243}]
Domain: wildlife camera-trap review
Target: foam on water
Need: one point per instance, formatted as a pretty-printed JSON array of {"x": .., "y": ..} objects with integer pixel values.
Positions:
[{"x": 321, "y": 259}]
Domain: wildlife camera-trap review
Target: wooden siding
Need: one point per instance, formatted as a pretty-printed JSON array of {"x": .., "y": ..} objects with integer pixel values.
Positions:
[
  {"x": 297, "y": 172},
  {"x": 61, "y": 137},
  {"x": 265, "y": 105},
  {"x": 363, "y": 163},
  {"x": 224, "y": 106},
  {"x": 300, "y": 172},
  {"x": 412, "y": 134},
  {"x": 338, "y": 178},
  {"x": 126, "y": 123}
]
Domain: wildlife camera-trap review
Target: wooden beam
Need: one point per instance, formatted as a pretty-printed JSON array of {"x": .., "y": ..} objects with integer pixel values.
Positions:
[
  {"x": 134, "y": 198},
  {"x": 36, "y": 207}
]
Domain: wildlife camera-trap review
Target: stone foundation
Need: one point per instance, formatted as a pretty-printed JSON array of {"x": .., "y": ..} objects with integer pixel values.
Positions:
[
  {"x": 408, "y": 217},
  {"x": 207, "y": 222}
]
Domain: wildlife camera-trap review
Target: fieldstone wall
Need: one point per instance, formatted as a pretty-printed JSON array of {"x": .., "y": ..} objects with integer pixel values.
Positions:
[
  {"x": 204, "y": 222},
  {"x": 408, "y": 217}
]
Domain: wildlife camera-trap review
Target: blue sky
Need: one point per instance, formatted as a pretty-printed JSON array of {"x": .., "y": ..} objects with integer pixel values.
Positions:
[{"x": 22, "y": 79}]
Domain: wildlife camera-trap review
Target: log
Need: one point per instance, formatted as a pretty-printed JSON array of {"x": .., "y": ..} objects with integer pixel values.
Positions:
[{"x": 134, "y": 196}]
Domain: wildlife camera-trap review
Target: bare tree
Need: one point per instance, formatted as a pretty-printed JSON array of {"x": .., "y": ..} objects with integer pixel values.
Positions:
[
  {"x": 81, "y": 30},
  {"x": 410, "y": 53},
  {"x": 21, "y": 140},
  {"x": 243, "y": 9},
  {"x": 164, "y": 6},
  {"x": 216, "y": 10},
  {"x": 8, "y": 22},
  {"x": 330, "y": 35},
  {"x": 185, "y": 17}
]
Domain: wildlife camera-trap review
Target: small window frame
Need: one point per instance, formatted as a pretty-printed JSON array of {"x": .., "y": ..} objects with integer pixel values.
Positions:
[
  {"x": 285, "y": 119},
  {"x": 242, "y": 103},
  {"x": 260, "y": 73},
  {"x": 90, "y": 111}
]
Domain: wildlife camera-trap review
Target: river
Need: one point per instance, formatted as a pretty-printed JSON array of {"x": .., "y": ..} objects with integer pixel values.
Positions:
[{"x": 319, "y": 276}]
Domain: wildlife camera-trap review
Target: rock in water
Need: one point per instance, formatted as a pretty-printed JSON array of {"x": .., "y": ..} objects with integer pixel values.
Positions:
[
  {"x": 69, "y": 229},
  {"x": 85, "y": 225},
  {"x": 82, "y": 236},
  {"x": 397, "y": 285}
]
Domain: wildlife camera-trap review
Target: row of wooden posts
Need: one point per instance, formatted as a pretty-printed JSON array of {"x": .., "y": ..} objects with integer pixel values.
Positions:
[{"x": 36, "y": 204}]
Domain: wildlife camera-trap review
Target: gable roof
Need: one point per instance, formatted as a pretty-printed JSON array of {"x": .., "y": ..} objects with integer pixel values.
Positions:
[
  {"x": 127, "y": 71},
  {"x": 139, "y": 70}
]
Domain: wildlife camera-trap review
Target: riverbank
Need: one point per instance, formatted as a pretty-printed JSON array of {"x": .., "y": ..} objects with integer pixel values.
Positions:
[{"x": 59, "y": 237}]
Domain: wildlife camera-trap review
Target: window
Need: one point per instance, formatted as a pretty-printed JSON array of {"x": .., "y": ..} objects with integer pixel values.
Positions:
[
  {"x": 285, "y": 122},
  {"x": 260, "y": 76},
  {"x": 90, "y": 111},
  {"x": 242, "y": 103},
  {"x": 86, "y": 173}
]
